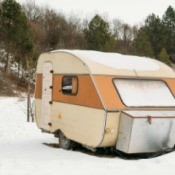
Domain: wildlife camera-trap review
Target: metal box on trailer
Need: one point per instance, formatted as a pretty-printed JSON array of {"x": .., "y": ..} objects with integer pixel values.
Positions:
[{"x": 146, "y": 131}]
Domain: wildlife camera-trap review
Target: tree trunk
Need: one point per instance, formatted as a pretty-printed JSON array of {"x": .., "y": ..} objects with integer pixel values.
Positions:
[
  {"x": 18, "y": 68},
  {"x": 6, "y": 62}
]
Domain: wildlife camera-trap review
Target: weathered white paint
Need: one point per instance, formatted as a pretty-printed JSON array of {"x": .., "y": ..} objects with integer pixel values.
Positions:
[
  {"x": 117, "y": 61},
  {"x": 46, "y": 95},
  {"x": 79, "y": 123},
  {"x": 108, "y": 64},
  {"x": 155, "y": 113},
  {"x": 63, "y": 63}
]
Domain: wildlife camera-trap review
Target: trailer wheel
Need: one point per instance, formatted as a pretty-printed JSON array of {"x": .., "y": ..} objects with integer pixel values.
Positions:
[{"x": 64, "y": 142}]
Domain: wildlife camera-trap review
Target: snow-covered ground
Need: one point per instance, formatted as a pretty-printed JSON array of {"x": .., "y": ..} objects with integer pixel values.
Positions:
[{"x": 22, "y": 151}]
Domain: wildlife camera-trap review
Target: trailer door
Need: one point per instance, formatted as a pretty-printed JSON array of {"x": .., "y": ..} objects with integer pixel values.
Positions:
[{"x": 46, "y": 95}]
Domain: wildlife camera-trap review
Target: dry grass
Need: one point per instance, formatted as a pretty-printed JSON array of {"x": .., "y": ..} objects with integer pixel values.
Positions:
[{"x": 11, "y": 85}]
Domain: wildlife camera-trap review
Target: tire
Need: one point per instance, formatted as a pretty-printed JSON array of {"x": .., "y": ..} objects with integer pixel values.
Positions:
[{"x": 64, "y": 142}]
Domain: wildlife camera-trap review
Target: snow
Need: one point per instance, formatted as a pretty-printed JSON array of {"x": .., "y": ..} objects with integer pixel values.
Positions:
[
  {"x": 144, "y": 93},
  {"x": 115, "y": 60},
  {"x": 22, "y": 151}
]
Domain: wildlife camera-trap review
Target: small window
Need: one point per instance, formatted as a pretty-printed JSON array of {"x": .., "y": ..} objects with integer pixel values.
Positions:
[{"x": 70, "y": 85}]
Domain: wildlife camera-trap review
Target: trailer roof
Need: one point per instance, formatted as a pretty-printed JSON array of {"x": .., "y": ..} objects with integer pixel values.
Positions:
[{"x": 118, "y": 64}]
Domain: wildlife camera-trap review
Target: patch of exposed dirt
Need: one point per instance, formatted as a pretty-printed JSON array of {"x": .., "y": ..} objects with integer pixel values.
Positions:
[{"x": 10, "y": 85}]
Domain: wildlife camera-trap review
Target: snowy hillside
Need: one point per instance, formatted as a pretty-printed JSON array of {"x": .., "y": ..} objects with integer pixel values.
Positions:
[{"x": 22, "y": 151}]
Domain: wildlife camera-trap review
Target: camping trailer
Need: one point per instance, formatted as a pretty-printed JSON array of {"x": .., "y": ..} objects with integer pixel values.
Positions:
[{"x": 106, "y": 100}]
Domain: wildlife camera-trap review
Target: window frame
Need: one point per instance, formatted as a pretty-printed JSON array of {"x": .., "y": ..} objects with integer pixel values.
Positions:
[
  {"x": 71, "y": 76},
  {"x": 142, "y": 80}
]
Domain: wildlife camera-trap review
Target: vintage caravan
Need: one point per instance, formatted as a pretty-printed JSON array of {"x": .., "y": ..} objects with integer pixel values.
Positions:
[{"x": 106, "y": 100}]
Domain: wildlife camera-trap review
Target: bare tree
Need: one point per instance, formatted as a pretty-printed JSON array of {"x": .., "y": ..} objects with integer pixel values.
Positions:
[
  {"x": 124, "y": 35},
  {"x": 54, "y": 25},
  {"x": 117, "y": 28},
  {"x": 75, "y": 37},
  {"x": 61, "y": 32},
  {"x": 32, "y": 11}
]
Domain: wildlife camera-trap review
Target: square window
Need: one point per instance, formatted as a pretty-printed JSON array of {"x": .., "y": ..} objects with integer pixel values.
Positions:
[{"x": 70, "y": 85}]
